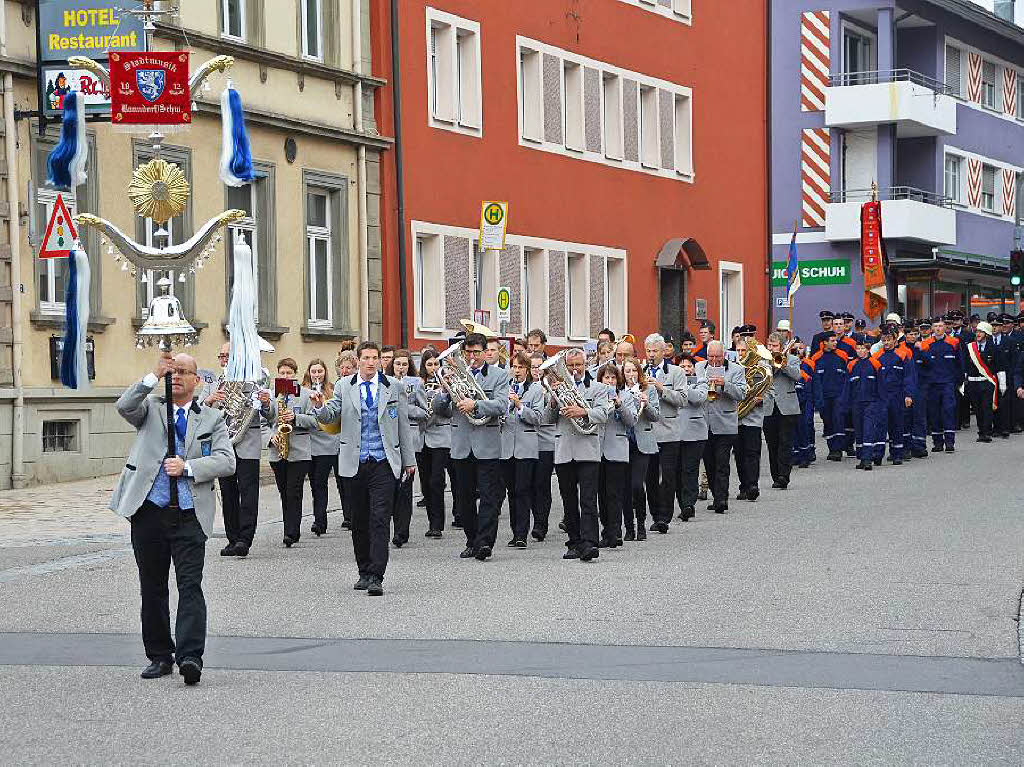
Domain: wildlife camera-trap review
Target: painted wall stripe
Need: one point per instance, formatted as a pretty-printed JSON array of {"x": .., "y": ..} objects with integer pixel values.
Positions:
[
  {"x": 815, "y": 154},
  {"x": 815, "y": 59}
]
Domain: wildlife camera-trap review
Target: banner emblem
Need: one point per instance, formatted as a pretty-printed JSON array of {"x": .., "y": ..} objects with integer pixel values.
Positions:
[{"x": 151, "y": 83}]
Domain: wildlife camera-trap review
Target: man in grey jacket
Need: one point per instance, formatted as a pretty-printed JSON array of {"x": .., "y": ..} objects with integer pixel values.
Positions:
[
  {"x": 162, "y": 533},
  {"x": 727, "y": 386},
  {"x": 670, "y": 383},
  {"x": 782, "y": 408}
]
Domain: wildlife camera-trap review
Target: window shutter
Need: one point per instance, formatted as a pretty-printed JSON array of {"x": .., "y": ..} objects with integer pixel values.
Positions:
[
  {"x": 556, "y": 294},
  {"x": 630, "y": 121},
  {"x": 510, "y": 267},
  {"x": 953, "y": 69},
  {"x": 596, "y": 295},
  {"x": 456, "y": 280},
  {"x": 552, "y": 99},
  {"x": 666, "y": 115},
  {"x": 592, "y": 108},
  {"x": 331, "y": 27}
]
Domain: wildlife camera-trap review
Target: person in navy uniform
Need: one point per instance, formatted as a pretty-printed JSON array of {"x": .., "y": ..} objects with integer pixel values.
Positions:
[
  {"x": 981, "y": 361},
  {"x": 897, "y": 383},
  {"x": 943, "y": 361},
  {"x": 864, "y": 405},
  {"x": 803, "y": 440},
  {"x": 1017, "y": 336},
  {"x": 1005, "y": 353},
  {"x": 916, "y": 420},
  {"x": 830, "y": 377},
  {"x": 826, "y": 318},
  {"x": 706, "y": 335}
]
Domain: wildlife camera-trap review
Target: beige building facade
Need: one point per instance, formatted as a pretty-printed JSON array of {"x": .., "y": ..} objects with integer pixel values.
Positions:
[{"x": 302, "y": 69}]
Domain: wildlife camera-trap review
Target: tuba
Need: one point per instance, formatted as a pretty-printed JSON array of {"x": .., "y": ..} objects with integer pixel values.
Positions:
[
  {"x": 556, "y": 380},
  {"x": 759, "y": 378},
  {"x": 454, "y": 377},
  {"x": 430, "y": 389},
  {"x": 238, "y": 406}
]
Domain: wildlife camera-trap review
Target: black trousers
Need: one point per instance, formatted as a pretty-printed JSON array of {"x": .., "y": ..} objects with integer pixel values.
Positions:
[
  {"x": 319, "y": 473},
  {"x": 979, "y": 393},
  {"x": 432, "y": 463},
  {"x": 690, "y": 455},
  {"x": 637, "y": 508},
  {"x": 160, "y": 537},
  {"x": 479, "y": 523},
  {"x": 541, "y": 502},
  {"x": 290, "y": 476},
  {"x": 747, "y": 453},
  {"x": 661, "y": 495},
  {"x": 778, "y": 435},
  {"x": 577, "y": 484},
  {"x": 402, "y": 511},
  {"x": 1002, "y": 418},
  {"x": 519, "y": 476},
  {"x": 240, "y": 498},
  {"x": 371, "y": 497},
  {"x": 716, "y": 461},
  {"x": 454, "y": 485},
  {"x": 612, "y": 486}
]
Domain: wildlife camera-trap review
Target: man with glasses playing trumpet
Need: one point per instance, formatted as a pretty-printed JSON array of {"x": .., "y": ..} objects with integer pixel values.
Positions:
[{"x": 782, "y": 409}]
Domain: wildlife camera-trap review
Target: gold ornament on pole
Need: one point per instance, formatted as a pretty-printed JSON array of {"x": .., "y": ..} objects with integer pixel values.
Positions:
[{"x": 159, "y": 190}]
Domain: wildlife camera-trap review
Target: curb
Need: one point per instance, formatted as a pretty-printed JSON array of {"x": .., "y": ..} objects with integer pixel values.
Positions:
[{"x": 1020, "y": 627}]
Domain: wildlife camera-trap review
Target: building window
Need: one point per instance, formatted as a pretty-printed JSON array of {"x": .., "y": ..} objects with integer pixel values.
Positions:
[
  {"x": 988, "y": 188},
  {"x": 953, "y": 178},
  {"x": 60, "y": 436},
  {"x": 430, "y": 283},
  {"x": 531, "y": 95},
  {"x": 453, "y": 73},
  {"x": 953, "y": 70},
  {"x": 325, "y": 245},
  {"x": 683, "y": 135},
  {"x": 233, "y": 18},
  {"x": 988, "y": 85},
  {"x": 572, "y": 74},
  {"x": 318, "y": 248},
  {"x": 578, "y": 297},
  {"x": 312, "y": 29},
  {"x": 672, "y": 9},
  {"x": 858, "y": 56},
  {"x": 649, "y": 151},
  {"x": 612, "y": 98},
  {"x": 1004, "y": 9},
  {"x": 535, "y": 286},
  {"x": 52, "y": 272},
  {"x": 615, "y": 294}
]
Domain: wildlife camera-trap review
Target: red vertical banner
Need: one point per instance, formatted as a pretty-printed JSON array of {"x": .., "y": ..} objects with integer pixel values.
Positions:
[
  {"x": 150, "y": 88},
  {"x": 872, "y": 254}
]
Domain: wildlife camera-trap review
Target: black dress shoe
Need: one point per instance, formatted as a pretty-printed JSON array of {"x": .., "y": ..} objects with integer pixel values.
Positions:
[
  {"x": 228, "y": 551},
  {"x": 641, "y": 534},
  {"x": 720, "y": 508},
  {"x": 630, "y": 535},
  {"x": 468, "y": 553},
  {"x": 241, "y": 550},
  {"x": 878, "y": 461},
  {"x": 689, "y": 513},
  {"x": 317, "y": 530},
  {"x": 157, "y": 669},
  {"x": 288, "y": 542},
  {"x": 375, "y": 587},
  {"x": 571, "y": 554},
  {"x": 741, "y": 495},
  {"x": 805, "y": 465},
  {"x": 346, "y": 525},
  {"x": 936, "y": 448},
  {"x": 432, "y": 534},
  {"x": 483, "y": 553},
  {"x": 868, "y": 466},
  {"x": 778, "y": 485},
  {"x": 589, "y": 554},
  {"x": 615, "y": 544},
  {"x": 835, "y": 455},
  {"x": 457, "y": 525},
  {"x": 396, "y": 543},
  {"x": 421, "y": 503},
  {"x": 561, "y": 526},
  {"x": 537, "y": 535},
  {"x": 979, "y": 439},
  {"x": 190, "y": 671},
  {"x": 920, "y": 454},
  {"x": 950, "y": 449},
  {"x": 519, "y": 543},
  {"x": 753, "y": 495},
  {"x": 897, "y": 462},
  {"x": 362, "y": 584},
  {"x": 602, "y": 543},
  {"x": 1004, "y": 435},
  {"x": 662, "y": 528}
]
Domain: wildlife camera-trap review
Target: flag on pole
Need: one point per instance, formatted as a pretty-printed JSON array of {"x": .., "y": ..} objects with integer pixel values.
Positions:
[
  {"x": 792, "y": 270},
  {"x": 872, "y": 259}
]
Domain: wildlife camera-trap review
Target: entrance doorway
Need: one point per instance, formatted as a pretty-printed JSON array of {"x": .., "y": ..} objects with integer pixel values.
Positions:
[{"x": 731, "y": 284}]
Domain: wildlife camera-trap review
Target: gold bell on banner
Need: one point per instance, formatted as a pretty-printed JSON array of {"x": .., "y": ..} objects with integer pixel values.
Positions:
[{"x": 166, "y": 326}]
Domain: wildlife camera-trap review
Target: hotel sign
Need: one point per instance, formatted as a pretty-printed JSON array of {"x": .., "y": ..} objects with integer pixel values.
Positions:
[{"x": 88, "y": 28}]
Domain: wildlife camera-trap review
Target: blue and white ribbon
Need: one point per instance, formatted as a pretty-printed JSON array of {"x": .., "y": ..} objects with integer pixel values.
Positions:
[
  {"x": 244, "y": 361},
  {"x": 74, "y": 368},
  {"x": 235, "y": 155},
  {"x": 65, "y": 167}
]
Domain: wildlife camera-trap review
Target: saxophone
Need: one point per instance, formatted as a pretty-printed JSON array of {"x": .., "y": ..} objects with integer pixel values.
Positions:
[
  {"x": 454, "y": 377},
  {"x": 284, "y": 430},
  {"x": 555, "y": 378},
  {"x": 759, "y": 378}
]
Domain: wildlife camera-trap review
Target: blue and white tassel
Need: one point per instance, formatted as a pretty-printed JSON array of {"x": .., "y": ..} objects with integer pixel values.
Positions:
[
  {"x": 74, "y": 367},
  {"x": 244, "y": 360},
  {"x": 65, "y": 167},
  {"x": 235, "y": 155}
]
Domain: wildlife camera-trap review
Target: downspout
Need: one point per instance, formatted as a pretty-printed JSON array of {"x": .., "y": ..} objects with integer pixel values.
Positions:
[
  {"x": 14, "y": 226},
  {"x": 396, "y": 79},
  {"x": 357, "y": 112},
  {"x": 768, "y": 163}
]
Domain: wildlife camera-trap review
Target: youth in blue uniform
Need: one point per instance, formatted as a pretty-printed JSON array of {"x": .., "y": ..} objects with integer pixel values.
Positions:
[
  {"x": 864, "y": 405},
  {"x": 898, "y": 389},
  {"x": 915, "y": 417},
  {"x": 803, "y": 439},
  {"x": 946, "y": 373},
  {"x": 830, "y": 377}
]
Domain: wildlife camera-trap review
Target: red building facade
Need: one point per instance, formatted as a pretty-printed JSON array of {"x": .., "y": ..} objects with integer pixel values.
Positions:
[{"x": 627, "y": 136}]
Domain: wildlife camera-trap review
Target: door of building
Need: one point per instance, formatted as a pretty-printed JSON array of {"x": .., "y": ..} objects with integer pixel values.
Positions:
[{"x": 672, "y": 314}]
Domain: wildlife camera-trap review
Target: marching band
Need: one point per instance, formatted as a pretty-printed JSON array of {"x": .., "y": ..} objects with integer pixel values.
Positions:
[{"x": 625, "y": 436}]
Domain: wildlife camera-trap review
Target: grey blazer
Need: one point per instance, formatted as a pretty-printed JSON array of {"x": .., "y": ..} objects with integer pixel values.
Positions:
[
  {"x": 411, "y": 384},
  {"x": 692, "y": 422},
  {"x": 783, "y": 391},
  {"x": 299, "y": 444},
  {"x": 250, "y": 446},
  {"x": 721, "y": 414},
  {"x": 435, "y": 431},
  {"x": 392, "y": 416},
  {"x": 671, "y": 398},
  {"x": 482, "y": 441},
  {"x": 643, "y": 432},
  {"x": 614, "y": 442},
  {"x": 519, "y": 432},
  {"x": 570, "y": 445},
  {"x": 207, "y": 451}
]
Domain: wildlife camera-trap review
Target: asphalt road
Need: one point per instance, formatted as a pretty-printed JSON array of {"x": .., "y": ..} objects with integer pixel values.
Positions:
[{"x": 854, "y": 618}]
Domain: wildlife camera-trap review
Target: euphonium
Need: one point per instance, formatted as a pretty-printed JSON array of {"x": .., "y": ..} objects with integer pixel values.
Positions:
[
  {"x": 454, "y": 376},
  {"x": 237, "y": 406},
  {"x": 430, "y": 389},
  {"x": 759, "y": 378},
  {"x": 557, "y": 380},
  {"x": 284, "y": 430}
]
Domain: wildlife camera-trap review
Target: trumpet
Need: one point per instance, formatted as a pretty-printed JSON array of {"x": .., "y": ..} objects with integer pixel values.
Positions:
[
  {"x": 281, "y": 437},
  {"x": 779, "y": 358},
  {"x": 640, "y": 405},
  {"x": 713, "y": 388}
]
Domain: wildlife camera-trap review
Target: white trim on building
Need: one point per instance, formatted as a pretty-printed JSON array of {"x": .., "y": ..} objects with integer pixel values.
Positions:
[
  {"x": 454, "y": 80},
  {"x": 678, "y": 10}
]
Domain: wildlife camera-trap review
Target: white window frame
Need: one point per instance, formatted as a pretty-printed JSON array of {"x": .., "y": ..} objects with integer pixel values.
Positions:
[
  {"x": 990, "y": 88},
  {"x": 957, "y": 175},
  {"x": 856, "y": 30},
  {"x": 735, "y": 268},
  {"x": 614, "y": 306},
  {"x": 683, "y": 135},
  {"x": 995, "y": 111},
  {"x": 304, "y": 9},
  {"x": 649, "y": 126},
  {"x": 323, "y": 234},
  {"x": 999, "y": 165},
  {"x": 538, "y": 275},
  {"x": 225, "y": 6},
  {"x": 959, "y": 84},
  {"x": 531, "y": 125},
  {"x": 612, "y": 125},
  {"x": 997, "y": 178},
  {"x": 454, "y": 80},
  {"x": 423, "y": 274},
  {"x": 573, "y": 116},
  {"x": 679, "y": 10},
  {"x": 48, "y": 198},
  {"x": 530, "y": 82}
]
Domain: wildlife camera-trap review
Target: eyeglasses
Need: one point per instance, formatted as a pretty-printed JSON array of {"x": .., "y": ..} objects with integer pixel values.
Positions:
[
  {"x": 183, "y": 372},
  {"x": 223, "y": 356},
  {"x": 475, "y": 352}
]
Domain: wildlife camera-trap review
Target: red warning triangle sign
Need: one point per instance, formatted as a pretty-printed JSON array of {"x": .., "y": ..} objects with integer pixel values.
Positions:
[{"x": 60, "y": 232}]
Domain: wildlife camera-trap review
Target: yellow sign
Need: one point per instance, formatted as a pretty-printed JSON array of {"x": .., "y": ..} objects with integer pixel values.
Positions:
[
  {"x": 493, "y": 225},
  {"x": 504, "y": 304}
]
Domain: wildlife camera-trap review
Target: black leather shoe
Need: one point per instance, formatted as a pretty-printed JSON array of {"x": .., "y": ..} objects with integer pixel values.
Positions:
[
  {"x": 950, "y": 449},
  {"x": 362, "y": 584},
  {"x": 468, "y": 553},
  {"x": 571, "y": 554},
  {"x": 936, "y": 448},
  {"x": 432, "y": 534},
  {"x": 241, "y": 550},
  {"x": 483, "y": 553},
  {"x": 603, "y": 543},
  {"x": 561, "y": 526},
  {"x": 778, "y": 485},
  {"x": 228, "y": 551},
  {"x": 157, "y": 669},
  {"x": 662, "y": 528},
  {"x": 630, "y": 535},
  {"x": 641, "y": 534},
  {"x": 753, "y": 495},
  {"x": 421, "y": 503},
  {"x": 346, "y": 525},
  {"x": 589, "y": 554},
  {"x": 741, "y": 495},
  {"x": 317, "y": 530},
  {"x": 920, "y": 454},
  {"x": 702, "y": 495},
  {"x": 375, "y": 587},
  {"x": 537, "y": 535},
  {"x": 721, "y": 508},
  {"x": 878, "y": 461},
  {"x": 190, "y": 671},
  {"x": 835, "y": 455},
  {"x": 688, "y": 513},
  {"x": 980, "y": 439},
  {"x": 868, "y": 466},
  {"x": 615, "y": 544},
  {"x": 519, "y": 543},
  {"x": 288, "y": 542},
  {"x": 897, "y": 462}
]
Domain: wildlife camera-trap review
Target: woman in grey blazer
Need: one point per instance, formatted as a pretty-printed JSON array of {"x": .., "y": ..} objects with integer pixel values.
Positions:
[
  {"x": 611, "y": 478},
  {"x": 403, "y": 369},
  {"x": 435, "y": 442},
  {"x": 323, "y": 446},
  {"x": 291, "y": 472},
  {"x": 694, "y": 428},
  {"x": 540, "y": 501},
  {"x": 643, "y": 447},
  {"x": 519, "y": 447}
]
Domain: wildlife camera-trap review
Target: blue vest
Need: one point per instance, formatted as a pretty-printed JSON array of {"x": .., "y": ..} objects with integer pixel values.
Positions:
[
  {"x": 371, "y": 445},
  {"x": 160, "y": 494}
]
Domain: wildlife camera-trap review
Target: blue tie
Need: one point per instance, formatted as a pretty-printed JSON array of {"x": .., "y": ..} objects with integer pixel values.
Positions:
[
  {"x": 181, "y": 424},
  {"x": 369, "y": 394}
]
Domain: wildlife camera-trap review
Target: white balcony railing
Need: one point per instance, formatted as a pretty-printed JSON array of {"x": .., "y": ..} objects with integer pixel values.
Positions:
[
  {"x": 907, "y": 214},
  {"x": 917, "y": 104}
]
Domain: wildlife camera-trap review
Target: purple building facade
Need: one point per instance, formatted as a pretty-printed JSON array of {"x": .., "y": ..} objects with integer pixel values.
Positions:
[{"x": 921, "y": 102}]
